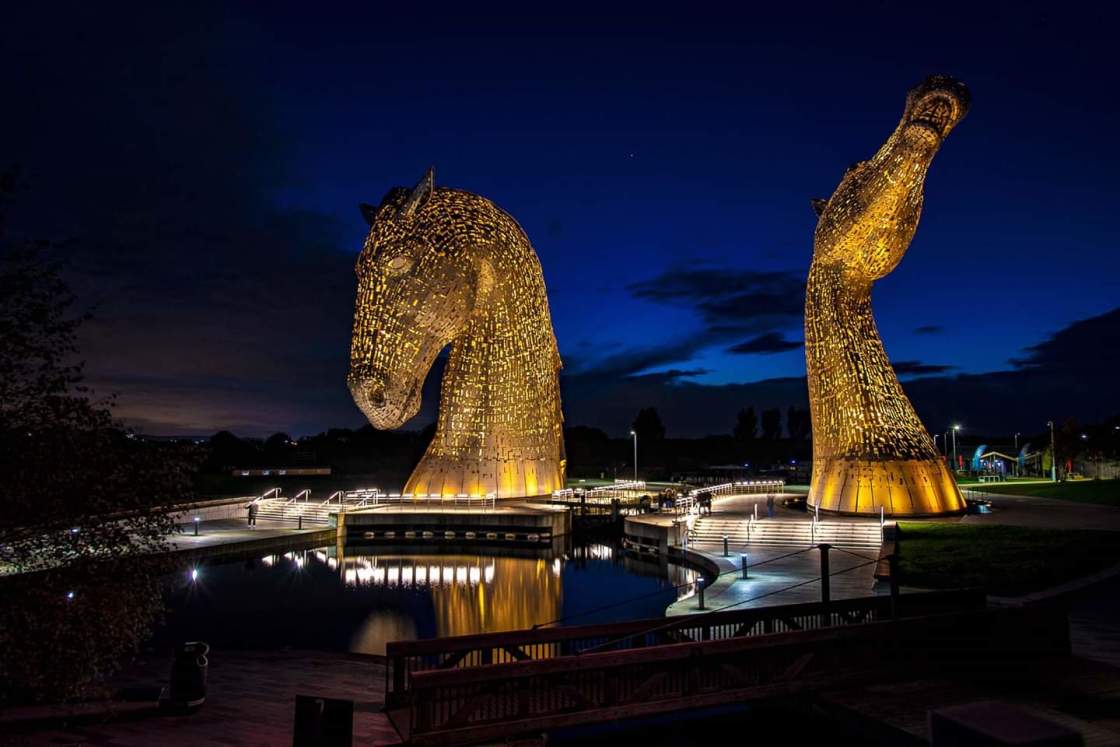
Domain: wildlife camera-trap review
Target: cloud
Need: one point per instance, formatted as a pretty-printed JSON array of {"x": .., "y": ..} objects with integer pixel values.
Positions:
[
  {"x": 728, "y": 298},
  {"x": 214, "y": 306},
  {"x": 730, "y": 302},
  {"x": 929, "y": 329},
  {"x": 1087, "y": 345},
  {"x": 917, "y": 368},
  {"x": 1069, "y": 374},
  {"x": 771, "y": 342}
]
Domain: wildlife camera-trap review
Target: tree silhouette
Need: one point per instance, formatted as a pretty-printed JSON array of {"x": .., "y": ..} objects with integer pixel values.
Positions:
[
  {"x": 78, "y": 533},
  {"x": 772, "y": 423},
  {"x": 799, "y": 423},
  {"x": 746, "y": 425},
  {"x": 648, "y": 425}
]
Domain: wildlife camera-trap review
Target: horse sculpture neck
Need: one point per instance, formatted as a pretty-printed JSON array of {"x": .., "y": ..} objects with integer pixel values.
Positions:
[
  {"x": 859, "y": 406},
  {"x": 500, "y": 429},
  {"x": 871, "y": 453}
]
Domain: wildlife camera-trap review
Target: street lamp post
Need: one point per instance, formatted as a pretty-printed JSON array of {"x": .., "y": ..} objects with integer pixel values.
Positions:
[
  {"x": 955, "y": 429},
  {"x": 1053, "y": 453},
  {"x": 635, "y": 435},
  {"x": 1017, "y": 453},
  {"x": 935, "y": 447}
]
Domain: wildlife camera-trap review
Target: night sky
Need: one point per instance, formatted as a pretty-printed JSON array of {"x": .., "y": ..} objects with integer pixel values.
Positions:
[{"x": 201, "y": 168}]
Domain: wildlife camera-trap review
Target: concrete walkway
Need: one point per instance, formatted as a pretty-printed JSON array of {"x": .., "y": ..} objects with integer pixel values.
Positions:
[
  {"x": 1044, "y": 513},
  {"x": 222, "y": 536},
  {"x": 770, "y": 572},
  {"x": 250, "y": 701}
]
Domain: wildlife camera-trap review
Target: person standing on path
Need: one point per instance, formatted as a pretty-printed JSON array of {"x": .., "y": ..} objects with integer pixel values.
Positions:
[
  {"x": 770, "y": 505},
  {"x": 253, "y": 514}
]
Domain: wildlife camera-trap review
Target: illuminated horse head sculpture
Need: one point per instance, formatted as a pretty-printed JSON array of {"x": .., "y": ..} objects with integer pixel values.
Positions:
[
  {"x": 870, "y": 450},
  {"x": 441, "y": 266}
]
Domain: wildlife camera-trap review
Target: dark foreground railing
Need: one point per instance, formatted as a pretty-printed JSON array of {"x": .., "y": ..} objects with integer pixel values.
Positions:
[
  {"x": 470, "y": 705},
  {"x": 407, "y": 658}
]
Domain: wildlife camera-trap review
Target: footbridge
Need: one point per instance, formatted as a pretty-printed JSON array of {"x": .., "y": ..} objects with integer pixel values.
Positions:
[{"x": 482, "y": 688}]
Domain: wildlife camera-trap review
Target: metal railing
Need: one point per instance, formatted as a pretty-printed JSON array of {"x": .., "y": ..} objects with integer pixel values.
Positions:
[
  {"x": 273, "y": 492},
  {"x": 603, "y": 494},
  {"x": 404, "y": 659},
  {"x": 458, "y": 706},
  {"x": 688, "y": 501}
]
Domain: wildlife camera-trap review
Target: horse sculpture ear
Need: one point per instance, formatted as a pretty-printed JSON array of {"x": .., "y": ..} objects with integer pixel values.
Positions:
[
  {"x": 369, "y": 212},
  {"x": 485, "y": 282},
  {"x": 819, "y": 205},
  {"x": 421, "y": 193}
]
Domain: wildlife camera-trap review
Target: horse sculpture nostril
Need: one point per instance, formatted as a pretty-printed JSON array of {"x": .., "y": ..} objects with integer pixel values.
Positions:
[{"x": 375, "y": 396}]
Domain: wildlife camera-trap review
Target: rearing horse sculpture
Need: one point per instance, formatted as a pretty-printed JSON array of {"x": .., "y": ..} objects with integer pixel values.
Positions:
[
  {"x": 870, "y": 450},
  {"x": 442, "y": 266}
]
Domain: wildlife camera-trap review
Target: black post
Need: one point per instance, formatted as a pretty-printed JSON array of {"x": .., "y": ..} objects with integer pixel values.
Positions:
[
  {"x": 892, "y": 560},
  {"x": 725, "y": 545},
  {"x": 826, "y": 591},
  {"x": 301, "y": 521}
]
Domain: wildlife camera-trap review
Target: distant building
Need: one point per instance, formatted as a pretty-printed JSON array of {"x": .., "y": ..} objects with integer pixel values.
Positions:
[{"x": 281, "y": 471}]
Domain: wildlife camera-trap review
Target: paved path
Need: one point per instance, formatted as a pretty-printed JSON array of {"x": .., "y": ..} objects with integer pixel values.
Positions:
[
  {"x": 250, "y": 701},
  {"x": 1045, "y": 513},
  {"x": 234, "y": 535},
  {"x": 770, "y": 574}
]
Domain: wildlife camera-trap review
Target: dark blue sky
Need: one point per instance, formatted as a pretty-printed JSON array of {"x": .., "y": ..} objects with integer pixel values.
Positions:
[{"x": 208, "y": 163}]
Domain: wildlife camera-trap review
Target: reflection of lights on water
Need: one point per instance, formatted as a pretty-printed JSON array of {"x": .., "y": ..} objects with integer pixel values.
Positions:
[
  {"x": 322, "y": 557},
  {"x": 371, "y": 572},
  {"x": 594, "y": 552},
  {"x": 268, "y": 560},
  {"x": 556, "y": 566}
]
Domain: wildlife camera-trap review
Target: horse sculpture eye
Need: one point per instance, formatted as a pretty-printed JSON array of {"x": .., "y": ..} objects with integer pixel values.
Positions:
[{"x": 400, "y": 264}]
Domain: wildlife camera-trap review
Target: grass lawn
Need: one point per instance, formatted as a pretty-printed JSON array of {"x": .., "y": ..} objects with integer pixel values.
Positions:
[
  {"x": 1006, "y": 561},
  {"x": 1103, "y": 492},
  {"x": 971, "y": 481}
]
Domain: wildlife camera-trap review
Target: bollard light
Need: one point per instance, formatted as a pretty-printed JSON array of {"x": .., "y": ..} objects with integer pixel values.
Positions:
[
  {"x": 700, "y": 593},
  {"x": 743, "y": 564},
  {"x": 69, "y": 596},
  {"x": 725, "y": 546}
]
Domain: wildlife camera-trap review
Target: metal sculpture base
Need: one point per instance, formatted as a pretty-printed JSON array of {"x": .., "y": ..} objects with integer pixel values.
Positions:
[{"x": 898, "y": 487}]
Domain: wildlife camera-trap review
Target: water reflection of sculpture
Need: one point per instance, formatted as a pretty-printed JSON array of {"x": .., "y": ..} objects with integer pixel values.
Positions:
[
  {"x": 470, "y": 594},
  {"x": 869, "y": 447},
  {"x": 440, "y": 267}
]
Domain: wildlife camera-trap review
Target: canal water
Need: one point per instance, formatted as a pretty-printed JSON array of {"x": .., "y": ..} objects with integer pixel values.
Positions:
[{"x": 359, "y": 600}]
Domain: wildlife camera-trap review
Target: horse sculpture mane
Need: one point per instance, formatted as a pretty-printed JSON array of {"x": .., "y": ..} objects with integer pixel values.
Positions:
[
  {"x": 439, "y": 267},
  {"x": 870, "y": 450}
]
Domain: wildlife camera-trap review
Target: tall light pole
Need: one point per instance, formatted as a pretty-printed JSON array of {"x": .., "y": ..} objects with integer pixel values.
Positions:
[
  {"x": 955, "y": 429},
  {"x": 1053, "y": 453},
  {"x": 635, "y": 435},
  {"x": 1017, "y": 453},
  {"x": 935, "y": 437}
]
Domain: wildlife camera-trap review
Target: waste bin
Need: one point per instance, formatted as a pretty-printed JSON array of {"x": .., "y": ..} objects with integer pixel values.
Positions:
[{"x": 187, "y": 690}]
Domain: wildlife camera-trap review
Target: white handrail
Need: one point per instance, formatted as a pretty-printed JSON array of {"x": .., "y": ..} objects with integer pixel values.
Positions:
[{"x": 264, "y": 496}]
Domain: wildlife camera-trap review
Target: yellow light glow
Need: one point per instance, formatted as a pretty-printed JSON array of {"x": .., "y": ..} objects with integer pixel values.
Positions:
[
  {"x": 870, "y": 450},
  {"x": 439, "y": 267}
]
